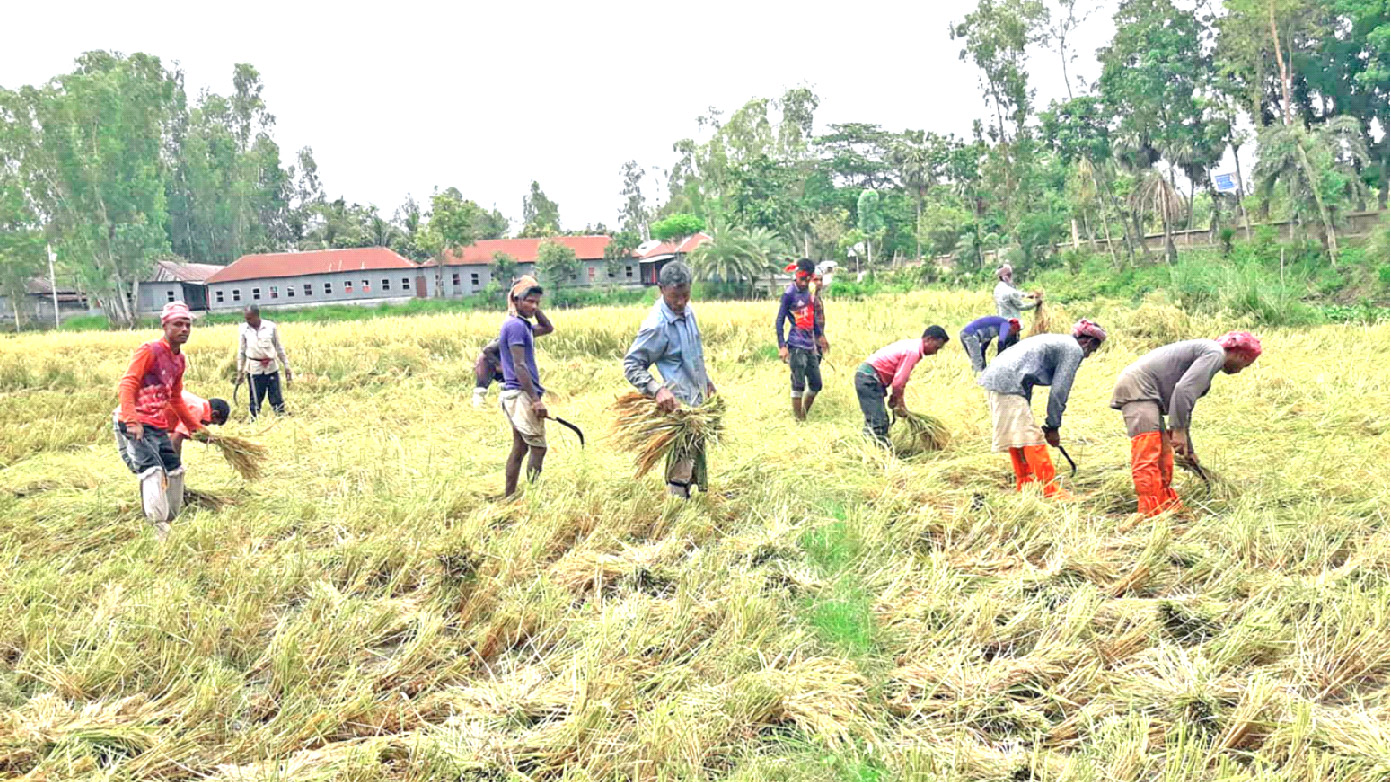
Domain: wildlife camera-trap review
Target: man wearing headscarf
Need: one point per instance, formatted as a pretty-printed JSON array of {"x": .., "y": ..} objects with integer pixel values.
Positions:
[
  {"x": 521, "y": 397},
  {"x": 802, "y": 347},
  {"x": 670, "y": 340},
  {"x": 976, "y": 337},
  {"x": 1169, "y": 381},
  {"x": 150, "y": 394},
  {"x": 1010, "y": 301},
  {"x": 1044, "y": 360}
]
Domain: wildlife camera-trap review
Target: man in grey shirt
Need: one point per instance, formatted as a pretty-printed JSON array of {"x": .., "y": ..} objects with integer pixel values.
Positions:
[
  {"x": 1010, "y": 301},
  {"x": 1170, "y": 381},
  {"x": 1044, "y": 360}
]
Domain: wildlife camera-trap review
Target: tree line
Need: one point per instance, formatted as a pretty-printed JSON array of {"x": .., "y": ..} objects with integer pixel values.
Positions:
[{"x": 115, "y": 166}]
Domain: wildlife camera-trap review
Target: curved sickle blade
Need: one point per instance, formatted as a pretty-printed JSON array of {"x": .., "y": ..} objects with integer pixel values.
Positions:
[
  {"x": 1070, "y": 463},
  {"x": 578, "y": 432}
]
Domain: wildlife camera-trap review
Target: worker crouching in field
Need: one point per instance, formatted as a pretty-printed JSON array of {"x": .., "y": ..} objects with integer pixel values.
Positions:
[
  {"x": 150, "y": 396},
  {"x": 887, "y": 373},
  {"x": 977, "y": 335},
  {"x": 801, "y": 349},
  {"x": 521, "y": 396},
  {"x": 486, "y": 371},
  {"x": 669, "y": 338},
  {"x": 1170, "y": 381},
  {"x": 213, "y": 412},
  {"x": 1044, "y": 360}
]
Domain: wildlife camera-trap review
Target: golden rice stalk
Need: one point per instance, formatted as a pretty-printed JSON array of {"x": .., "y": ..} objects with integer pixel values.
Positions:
[
  {"x": 652, "y": 434},
  {"x": 919, "y": 434},
  {"x": 241, "y": 454},
  {"x": 1041, "y": 324}
]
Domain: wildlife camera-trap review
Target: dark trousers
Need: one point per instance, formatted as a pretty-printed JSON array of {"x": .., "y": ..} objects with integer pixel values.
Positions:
[
  {"x": 152, "y": 450},
  {"x": 871, "y": 393},
  {"x": 263, "y": 386},
  {"x": 806, "y": 370}
]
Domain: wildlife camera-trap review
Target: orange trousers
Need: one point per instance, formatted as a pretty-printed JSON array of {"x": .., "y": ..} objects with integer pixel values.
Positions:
[
  {"x": 1152, "y": 468},
  {"x": 1033, "y": 464}
]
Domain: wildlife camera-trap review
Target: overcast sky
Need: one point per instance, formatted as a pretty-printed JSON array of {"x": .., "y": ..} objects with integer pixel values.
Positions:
[{"x": 405, "y": 98}]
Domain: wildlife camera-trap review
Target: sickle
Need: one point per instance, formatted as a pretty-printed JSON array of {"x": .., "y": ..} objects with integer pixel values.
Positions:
[
  {"x": 578, "y": 432},
  {"x": 1071, "y": 463}
]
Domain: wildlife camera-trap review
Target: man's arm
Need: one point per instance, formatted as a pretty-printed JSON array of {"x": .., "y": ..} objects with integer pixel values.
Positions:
[
  {"x": 279, "y": 351},
  {"x": 176, "y": 401},
  {"x": 1063, "y": 376},
  {"x": 780, "y": 325},
  {"x": 543, "y": 325},
  {"x": 523, "y": 371},
  {"x": 129, "y": 384},
  {"x": 241, "y": 352},
  {"x": 641, "y": 355},
  {"x": 900, "y": 381},
  {"x": 1193, "y": 385},
  {"x": 1021, "y": 300}
]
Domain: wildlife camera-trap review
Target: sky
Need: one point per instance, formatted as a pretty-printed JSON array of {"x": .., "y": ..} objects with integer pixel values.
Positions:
[{"x": 406, "y": 98}]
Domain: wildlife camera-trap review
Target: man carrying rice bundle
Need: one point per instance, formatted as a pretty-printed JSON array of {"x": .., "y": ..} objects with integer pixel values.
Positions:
[
  {"x": 1170, "y": 381},
  {"x": 1044, "y": 360},
  {"x": 976, "y": 337},
  {"x": 1010, "y": 302},
  {"x": 486, "y": 371},
  {"x": 805, "y": 343},
  {"x": 887, "y": 373},
  {"x": 669, "y": 338},
  {"x": 150, "y": 395},
  {"x": 521, "y": 384}
]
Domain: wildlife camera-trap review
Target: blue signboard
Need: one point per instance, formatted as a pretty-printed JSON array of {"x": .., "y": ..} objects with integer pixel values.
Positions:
[{"x": 1226, "y": 183}]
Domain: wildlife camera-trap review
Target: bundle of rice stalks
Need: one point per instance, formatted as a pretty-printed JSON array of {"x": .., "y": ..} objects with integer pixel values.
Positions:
[
  {"x": 919, "y": 434},
  {"x": 206, "y": 500},
  {"x": 241, "y": 454},
  {"x": 1041, "y": 324},
  {"x": 653, "y": 435}
]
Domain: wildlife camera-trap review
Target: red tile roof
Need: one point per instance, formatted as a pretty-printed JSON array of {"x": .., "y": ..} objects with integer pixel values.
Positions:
[
  {"x": 177, "y": 271},
  {"x": 250, "y": 267},
  {"x": 669, "y": 248},
  {"x": 480, "y": 253}
]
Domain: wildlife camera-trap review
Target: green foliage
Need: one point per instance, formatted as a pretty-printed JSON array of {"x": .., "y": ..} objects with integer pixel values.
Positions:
[
  {"x": 503, "y": 269},
  {"x": 540, "y": 215},
  {"x": 677, "y": 227},
  {"x": 556, "y": 265}
]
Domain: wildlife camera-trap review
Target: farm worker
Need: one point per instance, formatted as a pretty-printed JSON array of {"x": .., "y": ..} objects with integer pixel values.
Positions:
[
  {"x": 204, "y": 411},
  {"x": 1170, "y": 381},
  {"x": 150, "y": 394},
  {"x": 1010, "y": 301},
  {"x": 976, "y": 337},
  {"x": 804, "y": 343},
  {"x": 521, "y": 397},
  {"x": 669, "y": 338},
  {"x": 259, "y": 360},
  {"x": 1043, "y": 360},
  {"x": 486, "y": 371},
  {"x": 887, "y": 372}
]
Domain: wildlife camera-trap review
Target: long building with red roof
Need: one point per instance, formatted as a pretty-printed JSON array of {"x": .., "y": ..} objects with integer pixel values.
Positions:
[{"x": 364, "y": 275}]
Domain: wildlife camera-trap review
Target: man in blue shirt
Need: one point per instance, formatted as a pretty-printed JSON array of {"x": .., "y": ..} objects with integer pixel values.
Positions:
[
  {"x": 521, "y": 383},
  {"x": 805, "y": 343},
  {"x": 978, "y": 334},
  {"x": 670, "y": 339}
]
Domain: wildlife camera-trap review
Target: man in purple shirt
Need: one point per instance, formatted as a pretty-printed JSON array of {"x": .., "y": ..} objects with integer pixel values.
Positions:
[
  {"x": 521, "y": 383},
  {"x": 804, "y": 345}
]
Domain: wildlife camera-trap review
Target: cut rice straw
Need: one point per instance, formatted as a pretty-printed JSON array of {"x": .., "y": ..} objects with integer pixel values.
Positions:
[
  {"x": 242, "y": 455},
  {"x": 919, "y": 434},
  {"x": 1041, "y": 324},
  {"x": 652, "y": 434}
]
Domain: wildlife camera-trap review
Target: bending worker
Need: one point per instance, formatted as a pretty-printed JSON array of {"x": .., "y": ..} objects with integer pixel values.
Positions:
[
  {"x": 976, "y": 337},
  {"x": 887, "y": 372},
  {"x": 1170, "y": 381},
  {"x": 1043, "y": 360}
]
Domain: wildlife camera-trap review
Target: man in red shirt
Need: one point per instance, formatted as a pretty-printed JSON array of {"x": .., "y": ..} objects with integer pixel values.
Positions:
[{"x": 151, "y": 397}]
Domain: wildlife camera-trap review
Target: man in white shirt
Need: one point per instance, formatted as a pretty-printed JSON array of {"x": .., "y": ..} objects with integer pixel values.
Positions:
[{"x": 259, "y": 360}]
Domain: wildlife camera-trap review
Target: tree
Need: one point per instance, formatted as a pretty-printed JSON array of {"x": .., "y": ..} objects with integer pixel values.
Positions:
[
  {"x": 1157, "y": 195},
  {"x": 735, "y": 256},
  {"x": 677, "y": 228},
  {"x": 540, "y": 215},
  {"x": 22, "y": 255},
  {"x": 503, "y": 268},
  {"x": 995, "y": 38},
  {"x": 557, "y": 264},
  {"x": 917, "y": 156},
  {"x": 1317, "y": 167},
  {"x": 452, "y": 226},
  {"x": 633, "y": 216},
  {"x": 1067, "y": 22},
  {"x": 619, "y": 251},
  {"x": 869, "y": 221}
]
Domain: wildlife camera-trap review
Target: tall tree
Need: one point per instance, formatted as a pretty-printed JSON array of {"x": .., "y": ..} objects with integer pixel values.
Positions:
[
  {"x": 452, "y": 227},
  {"x": 995, "y": 37},
  {"x": 540, "y": 215},
  {"x": 557, "y": 264},
  {"x": 633, "y": 216},
  {"x": 1318, "y": 168}
]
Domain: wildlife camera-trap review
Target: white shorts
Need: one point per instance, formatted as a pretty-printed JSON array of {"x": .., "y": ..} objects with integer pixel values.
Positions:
[
  {"x": 1013, "y": 421},
  {"x": 516, "y": 405}
]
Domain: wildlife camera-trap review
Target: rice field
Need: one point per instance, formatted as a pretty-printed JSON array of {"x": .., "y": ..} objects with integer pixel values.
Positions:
[{"x": 369, "y": 610}]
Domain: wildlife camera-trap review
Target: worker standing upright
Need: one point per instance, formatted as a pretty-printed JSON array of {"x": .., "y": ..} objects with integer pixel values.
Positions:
[
  {"x": 522, "y": 393},
  {"x": 260, "y": 357},
  {"x": 802, "y": 347},
  {"x": 1010, "y": 302}
]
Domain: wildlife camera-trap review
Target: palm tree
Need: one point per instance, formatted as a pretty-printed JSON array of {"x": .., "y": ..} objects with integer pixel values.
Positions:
[
  {"x": 1157, "y": 194},
  {"x": 734, "y": 255},
  {"x": 1315, "y": 166}
]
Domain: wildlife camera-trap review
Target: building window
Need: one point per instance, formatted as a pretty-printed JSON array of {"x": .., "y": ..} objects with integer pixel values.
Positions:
[
  {"x": 169, "y": 295},
  {"x": 592, "y": 272},
  {"x": 236, "y": 294},
  {"x": 275, "y": 291},
  {"x": 473, "y": 279},
  {"x": 405, "y": 283},
  {"x": 347, "y": 286},
  {"x": 386, "y": 284},
  {"x": 328, "y": 289},
  {"x": 218, "y": 296},
  {"x": 308, "y": 290},
  {"x": 366, "y": 287},
  {"x": 289, "y": 291},
  {"x": 255, "y": 294},
  {"x": 629, "y": 270},
  {"x": 456, "y": 279}
]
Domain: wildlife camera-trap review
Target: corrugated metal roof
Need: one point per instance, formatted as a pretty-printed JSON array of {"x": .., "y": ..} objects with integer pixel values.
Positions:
[
  {"x": 252, "y": 267},
  {"x": 480, "y": 253}
]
